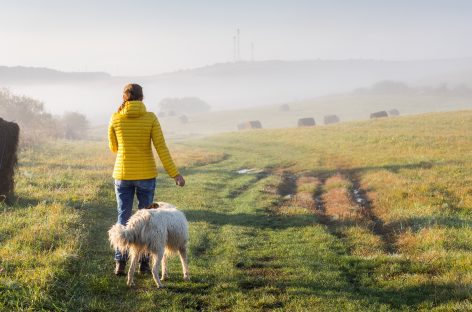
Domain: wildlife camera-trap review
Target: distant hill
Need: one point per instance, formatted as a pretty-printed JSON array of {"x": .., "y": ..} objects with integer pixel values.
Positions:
[
  {"x": 229, "y": 86},
  {"x": 248, "y": 84},
  {"x": 34, "y": 75},
  {"x": 325, "y": 74},
  {"x": 360, "y": 68}
]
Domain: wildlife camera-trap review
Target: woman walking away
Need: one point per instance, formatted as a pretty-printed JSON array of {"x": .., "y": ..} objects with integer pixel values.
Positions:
[{"x": 130, "y": 133}]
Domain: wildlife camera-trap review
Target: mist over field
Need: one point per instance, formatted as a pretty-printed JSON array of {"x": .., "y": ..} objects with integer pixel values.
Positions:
[{"x": 250, "y": 85}]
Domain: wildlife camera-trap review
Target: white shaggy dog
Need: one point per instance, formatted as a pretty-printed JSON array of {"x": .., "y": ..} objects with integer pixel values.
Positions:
[{"x": 159, "y": 232}]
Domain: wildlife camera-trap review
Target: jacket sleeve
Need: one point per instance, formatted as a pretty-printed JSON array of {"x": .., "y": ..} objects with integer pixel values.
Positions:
[
  {"x": 162, "y": 151},
  {"x": 112, "y": 141}
]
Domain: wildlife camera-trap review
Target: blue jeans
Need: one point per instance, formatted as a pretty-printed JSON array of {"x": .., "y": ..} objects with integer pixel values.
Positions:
[{"x": 125, "y": 191}]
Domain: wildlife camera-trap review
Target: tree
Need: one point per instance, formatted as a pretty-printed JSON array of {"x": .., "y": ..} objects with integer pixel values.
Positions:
[
  {"x": 35, "y": 123},
  {"x": 75, "y": 126},
  {"x": 391, "y": 87},
  {"x": 185, "y": 105}
]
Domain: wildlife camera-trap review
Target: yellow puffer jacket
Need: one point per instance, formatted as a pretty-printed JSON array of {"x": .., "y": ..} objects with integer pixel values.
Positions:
[{"x": 130, "y": 133}]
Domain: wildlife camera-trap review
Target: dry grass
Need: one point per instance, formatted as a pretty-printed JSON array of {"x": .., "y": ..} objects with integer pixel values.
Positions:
[
  {"x": 188, "y": 157},
  {"x": 250, "y": 249}
]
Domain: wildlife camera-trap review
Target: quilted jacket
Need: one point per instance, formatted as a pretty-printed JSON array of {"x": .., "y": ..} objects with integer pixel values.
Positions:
[{"x": 130, "y": 134}]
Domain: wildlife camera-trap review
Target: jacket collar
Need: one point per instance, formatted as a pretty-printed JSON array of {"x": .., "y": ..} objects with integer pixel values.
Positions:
[{"x": 133, "y": 109}]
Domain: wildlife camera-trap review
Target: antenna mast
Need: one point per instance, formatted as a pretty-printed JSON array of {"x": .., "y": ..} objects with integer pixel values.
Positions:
[
  {"x": 234, "y": 49},
  {"x": 238, "y": 46}
]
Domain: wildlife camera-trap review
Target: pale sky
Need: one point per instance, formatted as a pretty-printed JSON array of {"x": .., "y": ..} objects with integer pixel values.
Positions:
[{"x": 150, "y": 37}]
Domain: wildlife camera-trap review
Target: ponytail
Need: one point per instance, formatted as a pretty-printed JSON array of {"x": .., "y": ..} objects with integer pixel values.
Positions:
[
  {"x": 131, "y": 92},
  {"x": 121, "y": 106}
]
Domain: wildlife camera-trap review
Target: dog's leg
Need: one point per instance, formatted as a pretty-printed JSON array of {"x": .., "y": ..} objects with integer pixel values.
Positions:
[
  {"x": 164, "y": 267},
  {"x": 132, "y": 268},
  {"x": 155, "y": 267},
  {"x": 184, "y": 260}
]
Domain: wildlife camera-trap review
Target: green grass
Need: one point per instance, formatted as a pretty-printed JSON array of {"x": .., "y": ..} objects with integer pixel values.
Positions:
[{"x": 250, "y": 248}]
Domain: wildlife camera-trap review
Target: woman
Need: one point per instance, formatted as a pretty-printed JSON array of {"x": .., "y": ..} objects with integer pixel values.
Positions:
[{"x": 130, "y": 133}]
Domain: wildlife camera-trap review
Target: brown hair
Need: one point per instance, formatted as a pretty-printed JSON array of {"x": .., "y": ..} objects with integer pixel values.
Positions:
[{"x": 131, "y": 92}]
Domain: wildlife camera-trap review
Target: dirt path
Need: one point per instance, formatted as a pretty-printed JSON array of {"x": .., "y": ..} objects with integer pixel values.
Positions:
[{"x": 338, "y": 200}]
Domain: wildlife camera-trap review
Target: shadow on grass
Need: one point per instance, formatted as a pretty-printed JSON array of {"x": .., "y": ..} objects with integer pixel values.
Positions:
[
  {"x": 263, "y": 221},
  {"x": 247, "y": 186},
  {"x": 397, "y": 298},
  {"x": 288, "y": 184},
  {"x": 87, "y": 279},
  {"x": 48, "y": 165},
  {"x": 363, "y": 285},
  {"x": 394, "y": 168},
  {"x": 416, "y": 224},
  {"x": 22, "y": 202}
]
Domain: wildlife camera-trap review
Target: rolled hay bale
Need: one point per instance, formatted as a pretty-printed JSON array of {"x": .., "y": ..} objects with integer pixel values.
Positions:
[
  {"x": 393, "y": 112},
  {"x": 9, "y": 136},
  {"x": 254, "y": 124},
  {"x": 183, "y": 119},
  {"x": 380, "y": 114},
  {"x": 284, "y": 108},
  {"x": 306, "y": 122},
  {"x": 331, "y": 119}
]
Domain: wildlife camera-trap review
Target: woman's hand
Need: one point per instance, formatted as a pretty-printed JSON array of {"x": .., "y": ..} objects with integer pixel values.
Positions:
[{"x": 179, "y": 180}]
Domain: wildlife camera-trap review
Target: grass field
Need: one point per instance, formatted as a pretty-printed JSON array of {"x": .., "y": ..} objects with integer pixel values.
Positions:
[
  {"x": 365, "y": 216},
  {"x": 349, "y": 107}
]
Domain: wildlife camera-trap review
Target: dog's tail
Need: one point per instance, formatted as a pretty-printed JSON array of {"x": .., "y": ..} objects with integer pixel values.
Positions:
[{"x": 119, "y": 237}]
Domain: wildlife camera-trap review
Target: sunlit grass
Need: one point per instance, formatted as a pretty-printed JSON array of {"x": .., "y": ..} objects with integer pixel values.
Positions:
[{"x": 250, "y": 248}]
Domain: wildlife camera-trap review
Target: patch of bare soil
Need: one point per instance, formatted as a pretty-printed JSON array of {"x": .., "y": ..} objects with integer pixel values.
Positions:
[{"x": 338, "y": 200}]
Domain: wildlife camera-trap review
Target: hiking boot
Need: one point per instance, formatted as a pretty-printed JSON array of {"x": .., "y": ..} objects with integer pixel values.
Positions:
[
  {"x": 144, "y": 267},
  {"x": 120, "y": 268}
]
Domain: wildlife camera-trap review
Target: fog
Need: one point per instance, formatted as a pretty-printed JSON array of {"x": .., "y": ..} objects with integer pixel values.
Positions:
[
  {"x": 238, "y": 85},
  {"x": 240, "y": 57}
]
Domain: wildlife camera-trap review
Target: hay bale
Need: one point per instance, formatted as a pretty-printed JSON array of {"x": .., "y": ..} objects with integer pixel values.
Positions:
[
  {"x": 380, "y": 114},
  {"x": 331, "y": 119},
  {"x": 183, "y": 119},
  {"x": 393, "y": 112},
  {"x": 306, "y": 122},
  {"x": 9, "y": 136},
  {"x": 254, "y": 124},
  {"x": 284, "y": 108}
]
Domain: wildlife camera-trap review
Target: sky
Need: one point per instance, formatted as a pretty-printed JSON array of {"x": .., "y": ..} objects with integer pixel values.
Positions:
[{"x": 135, "y": 38}]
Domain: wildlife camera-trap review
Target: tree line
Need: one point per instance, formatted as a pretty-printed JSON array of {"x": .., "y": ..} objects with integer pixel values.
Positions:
[{"x": 36, "y": 124}]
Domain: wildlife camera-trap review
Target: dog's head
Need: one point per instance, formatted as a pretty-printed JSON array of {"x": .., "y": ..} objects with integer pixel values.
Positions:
[{"x": 153, "y": 206}]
